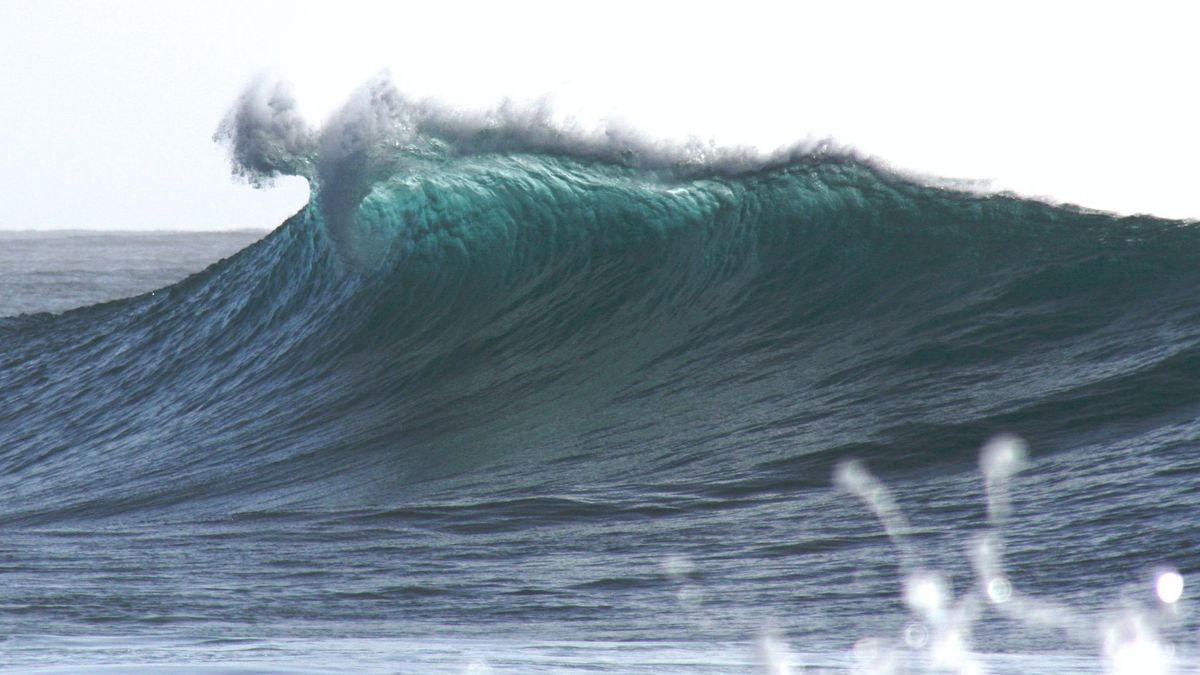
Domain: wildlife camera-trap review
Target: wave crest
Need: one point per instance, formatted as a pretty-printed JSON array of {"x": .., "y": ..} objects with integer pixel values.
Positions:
[{"x": 379, "y": 131}]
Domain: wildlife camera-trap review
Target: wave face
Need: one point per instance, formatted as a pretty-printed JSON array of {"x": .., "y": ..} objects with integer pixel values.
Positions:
[{"x": 483, "y": 337}]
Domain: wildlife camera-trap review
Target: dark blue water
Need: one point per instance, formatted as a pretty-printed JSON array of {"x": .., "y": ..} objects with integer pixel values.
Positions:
[{"x": 498, "y": 410}]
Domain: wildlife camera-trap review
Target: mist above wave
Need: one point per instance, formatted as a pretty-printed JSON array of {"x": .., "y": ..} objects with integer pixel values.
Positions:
[{"x": 267, "y": 137}]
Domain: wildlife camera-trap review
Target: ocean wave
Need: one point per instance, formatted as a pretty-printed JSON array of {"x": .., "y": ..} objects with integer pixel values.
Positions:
[{"x": 470, "y": 296}]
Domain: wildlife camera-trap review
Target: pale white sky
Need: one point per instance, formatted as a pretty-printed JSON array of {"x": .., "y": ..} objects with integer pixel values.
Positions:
[{"x": 107, "y": 109}]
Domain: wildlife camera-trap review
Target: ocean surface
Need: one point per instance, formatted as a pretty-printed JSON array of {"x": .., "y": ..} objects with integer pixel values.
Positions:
[
  {"x": 518, "y": 406},
  {"x": 53, "y": 271}
]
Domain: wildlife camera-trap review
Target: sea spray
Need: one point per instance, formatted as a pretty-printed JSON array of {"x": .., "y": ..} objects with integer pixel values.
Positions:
[{"x": 940, "y": 634}]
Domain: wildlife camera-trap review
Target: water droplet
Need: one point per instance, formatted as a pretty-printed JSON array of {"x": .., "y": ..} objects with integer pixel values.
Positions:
[
  {"x": 999, "y": 590},
  {"x": 1169, "y": 586},
  {"x": 916, "y": 635}
]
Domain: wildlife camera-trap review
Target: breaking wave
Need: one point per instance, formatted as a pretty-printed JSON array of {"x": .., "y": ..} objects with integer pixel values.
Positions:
[{"x": 492, "y": 302}]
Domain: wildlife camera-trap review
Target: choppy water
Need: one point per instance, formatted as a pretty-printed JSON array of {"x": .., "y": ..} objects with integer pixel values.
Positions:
[{"x": 485, "y": 408}]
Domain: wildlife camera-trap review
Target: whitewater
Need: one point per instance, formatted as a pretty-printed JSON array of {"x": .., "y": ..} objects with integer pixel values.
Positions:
[{"x": 510, "y": 396}]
